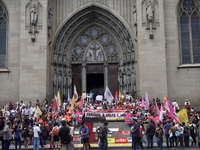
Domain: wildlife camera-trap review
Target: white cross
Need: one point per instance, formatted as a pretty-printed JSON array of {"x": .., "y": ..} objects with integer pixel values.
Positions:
[{"x": 17, "y": 103}]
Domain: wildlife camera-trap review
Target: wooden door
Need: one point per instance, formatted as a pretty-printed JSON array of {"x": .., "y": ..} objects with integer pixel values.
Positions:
[{"x": 113, "y": 83}]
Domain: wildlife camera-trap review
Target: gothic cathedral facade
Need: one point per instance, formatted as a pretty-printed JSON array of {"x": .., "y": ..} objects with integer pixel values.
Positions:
[{"x": 149, "y": 46}]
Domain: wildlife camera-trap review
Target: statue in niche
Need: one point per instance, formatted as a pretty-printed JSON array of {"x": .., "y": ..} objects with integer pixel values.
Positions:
[
  {"x": 33, "y": 19},
  {"x": 64, "y": 79},
  {"x": 133, "y": 78},
  {"x": 34, "y": 15},
  {"x": 150, "y": 15},
  {"x": 124, "y": 82},
  {"x": 55, "y": 78},
  {"x": 135, "y": 15},
  {"x": 50, "y": 20},
  {"x": 59, "y": 79},
  {"x": 150, "y": 10},
  {"x": 120, "y": 77},
  {"x": 55, "y": 58},
  {"x": 60, "y": 59},
  {"x": 64, "y": 60}
]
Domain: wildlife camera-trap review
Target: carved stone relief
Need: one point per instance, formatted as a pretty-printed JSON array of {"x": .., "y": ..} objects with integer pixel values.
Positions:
[{"x": 33, "y": 18}]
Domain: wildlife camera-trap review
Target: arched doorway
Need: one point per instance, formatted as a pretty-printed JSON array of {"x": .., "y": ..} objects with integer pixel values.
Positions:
[{"x": 93, "y": 45}]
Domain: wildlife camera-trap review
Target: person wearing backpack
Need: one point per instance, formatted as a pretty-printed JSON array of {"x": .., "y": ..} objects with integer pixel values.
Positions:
[
  {"x": 192, "y": 128},
  {"x": 186, "y": 133},
  {"x": 55, "y": 132},
  {"x": 102, "y": 132},
  {"x": 159, "y": 136}
]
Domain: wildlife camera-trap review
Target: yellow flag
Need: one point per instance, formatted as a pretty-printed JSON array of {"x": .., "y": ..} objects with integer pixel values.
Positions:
[
  {"x": 164, "y": 99},
  {"x": 73, "y": 102},
  {"x": 120, "y": 97},
  {"x": 182, "y": 116},
  {"x": 58, "y": 96},
  {"x": 38, "y": 112}
]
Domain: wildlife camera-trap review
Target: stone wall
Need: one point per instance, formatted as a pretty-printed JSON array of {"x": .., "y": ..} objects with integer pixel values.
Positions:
[{"x": 183, "y": 80}]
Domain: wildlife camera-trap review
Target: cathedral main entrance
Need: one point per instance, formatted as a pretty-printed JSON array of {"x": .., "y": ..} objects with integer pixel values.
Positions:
[{"x": 93, "y": 50}]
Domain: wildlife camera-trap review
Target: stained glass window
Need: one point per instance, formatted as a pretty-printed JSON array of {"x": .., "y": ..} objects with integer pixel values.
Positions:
[
  {"x": 3, "y": 29},
  {"x": 190, "y": 31}
]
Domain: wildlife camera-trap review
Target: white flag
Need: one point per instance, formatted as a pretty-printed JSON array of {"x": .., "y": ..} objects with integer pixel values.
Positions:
[
  {"x": 147, "y": 101},
  {"x": 108, "y": 95},
  {"x": 75, "y": 93},
  {"x": 161, "y": 114}
]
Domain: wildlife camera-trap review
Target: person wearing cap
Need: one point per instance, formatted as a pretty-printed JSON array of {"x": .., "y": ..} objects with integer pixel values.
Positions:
[
  {"x": 84, "y": 134},
  {"x": 103, "y": 140}
]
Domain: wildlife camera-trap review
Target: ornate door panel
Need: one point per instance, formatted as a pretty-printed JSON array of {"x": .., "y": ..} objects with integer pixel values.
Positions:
[
  {"x": 97, "y": 68},
  {"x": 113, "y": 83},
  {"x": 76, "y": 78}
]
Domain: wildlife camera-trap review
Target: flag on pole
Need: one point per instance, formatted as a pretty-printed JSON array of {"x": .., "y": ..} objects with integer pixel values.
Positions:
[
  {"x": 116, "y": 97},
  {"x": 164, "y": 99},
  {"x": 108, "y": 95},
  {"x": 143, "y": 104},
  {"x": 38, "y": 112},
  {"x": 75, "y": 93},
  {"x": 73, "y": 102},
  {"x": 58, "y": 97},
  {"x": 81, "y": 102},
  {"x": 158, "y": 111},
  {"x": 55, "y": 106},
  {"x": 147, "y": 101},
  {"x": 161, "y": 114},
  {"x": 120, "y": 97},
  {"x": 68, "y": 97},
  {"x": 183, "y": 116},
  {"x": 167, "y": 104}
]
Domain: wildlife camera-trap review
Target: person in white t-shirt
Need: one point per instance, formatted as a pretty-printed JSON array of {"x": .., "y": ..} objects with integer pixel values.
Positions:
[
  {"x": 36, "y": 131},
  {"x": 32, "y": 110}
]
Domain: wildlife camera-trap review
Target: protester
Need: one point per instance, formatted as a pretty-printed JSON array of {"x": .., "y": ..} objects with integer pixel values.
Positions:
[
  {"x": 102, "y": 132},
  {"x": 65, "y": 137},
  {"x": 7, "y": 135},
  {"x": 135, "y": 130},
  {"x": 159, "y": 136},
  {"x": 37, "y": 132},
  {"x": 55, "y": 135},
  {"x": 150, "y": 131},
  {"x": 84, "y": 134},
  {"x": 186, "y": 133},
  {"x": 167, "y": 127},
  {"x": 17, "y": 136},
  {"x": 173, "y": 137},
  {"x": 193, "y": 130}
]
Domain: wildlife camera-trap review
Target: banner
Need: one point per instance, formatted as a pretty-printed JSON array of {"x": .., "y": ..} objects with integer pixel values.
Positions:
[
  {"x": 108, "y": 114},
  {"x": 38, "y": 112},
  {"x": 75, "y": 93},
  {"x": 182, "y": 116}
]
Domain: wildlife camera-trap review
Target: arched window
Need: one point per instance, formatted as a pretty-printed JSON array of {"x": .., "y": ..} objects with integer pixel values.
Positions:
[
  {"x": 3, "y": 36},
  {"x": 189, "y": 12}
]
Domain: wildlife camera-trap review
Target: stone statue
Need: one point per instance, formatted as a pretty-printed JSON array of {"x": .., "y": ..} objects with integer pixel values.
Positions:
[
  {"x": 60, "y": 78},
  {"x": 34, "y": 15},
  {"x": 135, "y": 15},
  {"x": 55, "y": 78},
  {"x": 150, "y": 10},
  {"x": 50, "y": 19}
]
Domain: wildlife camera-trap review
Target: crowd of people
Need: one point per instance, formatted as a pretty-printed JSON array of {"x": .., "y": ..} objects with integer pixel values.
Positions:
[{"x": 22, "y": 122}]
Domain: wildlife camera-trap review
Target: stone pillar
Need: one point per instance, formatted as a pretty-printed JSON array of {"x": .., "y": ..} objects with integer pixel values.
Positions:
[
  {"x": 105, "y": 75},
  {"x": 84, "y": 77},
  {"x": 152, "y": 55},
  {"x": 33, "y": 56}
]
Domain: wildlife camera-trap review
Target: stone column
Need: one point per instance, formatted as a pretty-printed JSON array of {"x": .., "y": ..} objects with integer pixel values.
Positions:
[
  {"x": 84, "y": 76},
  {"x": 105, "y": 74},
  {"x": 152, "y": 56}
]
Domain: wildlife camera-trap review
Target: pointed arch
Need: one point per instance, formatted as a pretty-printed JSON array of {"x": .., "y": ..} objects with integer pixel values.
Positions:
[
  {"x": 189, "y": 27},
  {"x": 3, "y": 35}
]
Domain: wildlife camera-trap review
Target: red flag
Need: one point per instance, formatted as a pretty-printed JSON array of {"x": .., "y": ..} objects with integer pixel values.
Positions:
[
  {"x": 116, "y": 97},
  {"x": 55, "y": 106}
]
